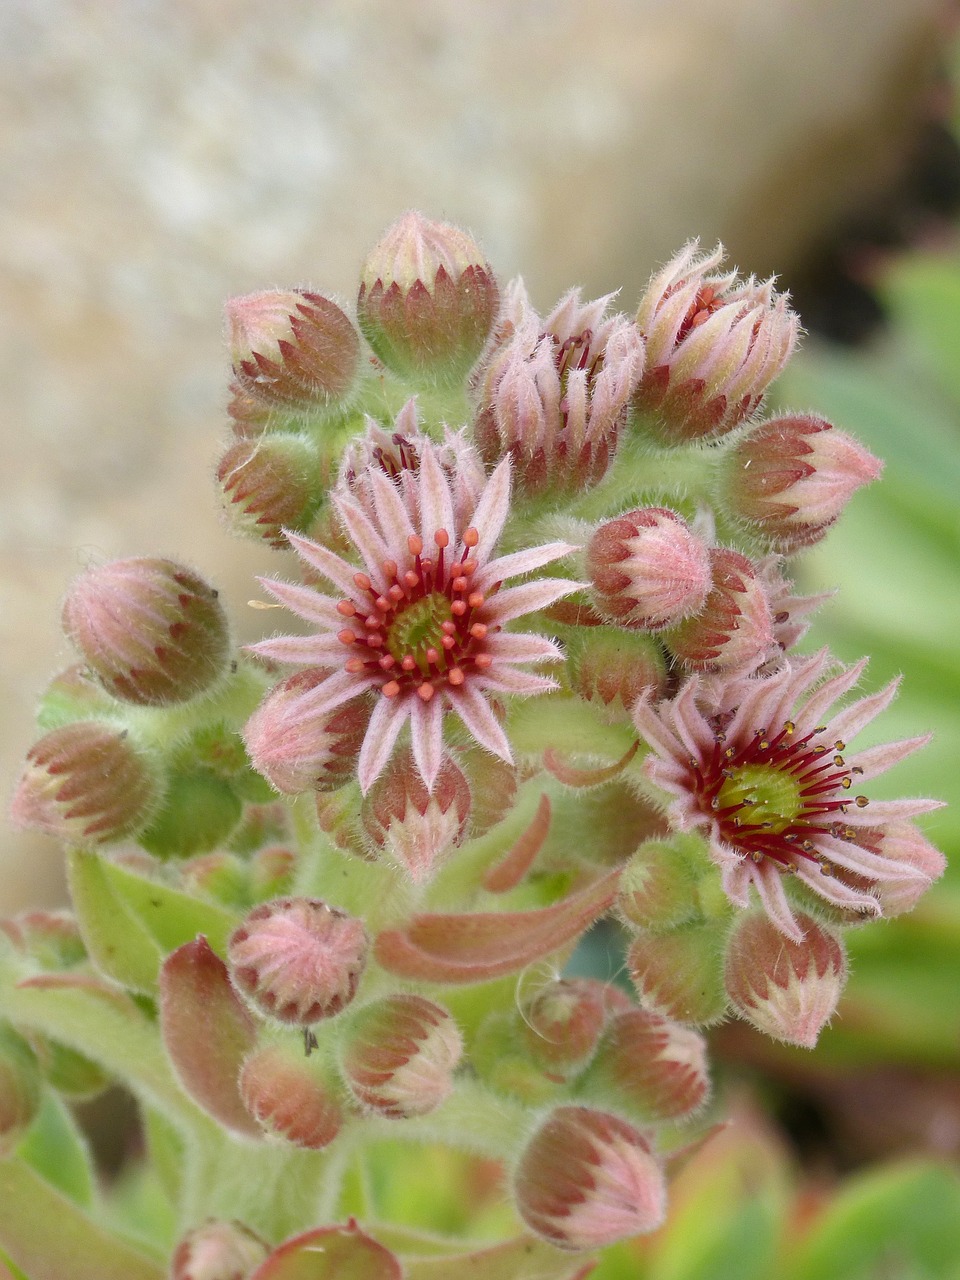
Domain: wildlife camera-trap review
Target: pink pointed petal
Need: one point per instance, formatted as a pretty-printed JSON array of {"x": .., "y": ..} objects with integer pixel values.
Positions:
[
  {"x": 734, "y": 875},
  {"x": 366, "y": 538},
  {"x": 520, "y": 562},
  {"x": 426, "y": 737},
  {"x": 304, "y": 602},
  {"x": 878, "y": 812},
  {"x": 523, "y": 647},
  {"x": 835, "y": 891},
  {"x": 491, "y": 511},
  {"x": 848, "y": 722},
  {"x": 768, "y": 880},
  {"x": 392, "y": 514},
  {"x": 310, "y": 651},
  {"x": 333, "y": 568},
  {"x": 509, "y": 680},
  {"x": 383, "y": 730},
  {"x": 692, "y": 729},
  {"x": 820, "y": 702},
  {"x": 474, "y": 711},
  {"x": 436, "y": 502},
  {"x": 772, "y": 701},
  {"x": 510, "y": 870},
  {"x": 514, "y": 602},
  {"x": 876, "y": 760},
  {"x": 483, "y": 945},
  {"x": 874, "y": 866},
  {"x": 653, "y": 731}
]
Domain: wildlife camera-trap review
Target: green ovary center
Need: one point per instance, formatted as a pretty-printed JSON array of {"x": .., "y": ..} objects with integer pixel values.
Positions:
[
  {"x": 770, "y": 797},
  {"x": 419, "y": 627}
]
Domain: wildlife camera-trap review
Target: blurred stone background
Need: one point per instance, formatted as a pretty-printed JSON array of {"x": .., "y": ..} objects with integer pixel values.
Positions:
[{"x": 160, "y": 156}]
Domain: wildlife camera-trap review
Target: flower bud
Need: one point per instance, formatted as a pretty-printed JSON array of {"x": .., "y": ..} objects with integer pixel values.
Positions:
[
  {"x": 734, "y": 629},
  {"x": 151, "y": 631},
  {"x": 648, "y": 569},
  {"x": 299, "y": 749},
  {"x": 199, "y": 812},
  {"x": 787, "y": 989},
  {"x": 85, "y": 783},
  {"x": 217, "y": 1251},
  {"x": 428, "y": 299},
  {"x": 399, "y": 1055},
  {"x": 72, "y": 695},
  {"x": 677, "y": 974},
  {"x": 19, "y": 1089},
  {"x": 657, "y": 888},
  {"x": 51, "y": 938},
  {"x": 500, "y": 1058},
  {"x": 493, "y": 788},
  {"x": 563, "y": 1022},
  {"x": 271, "y": 484},
  {"x": 713, "y": 346},
  {"x": 292, "y": 349},
  {"x": 792, "y": 476},
  {"x": 298, "y": 960},
  {"x": 612, "y": 668},
  {"x": 271, "y": 872},
  {"x": 414, "y": 827},
  {"x": 652, "y": 1068},
  {"x": 331, "y": 1253},
  {"x": 221, "y": 876},
  {"x": 587, "y": 1179},
  {"x": 289, "y": 1098}
]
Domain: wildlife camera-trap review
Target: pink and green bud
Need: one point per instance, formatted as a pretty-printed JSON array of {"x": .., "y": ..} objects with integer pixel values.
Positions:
[
  {"x": 151, "y": 630},
  {"x": 221, "y": 876},
  {"x": 271, "y": 484},
  {"x": 428, "y": 299},
  {"x": 415, "y": 828},
  {"x": 199, "y": 812},
  {"x": 399, "y": 1055},
  {"x": 298, "y": 960},
  {"x": 554, "y": 393},
  {"x": 86, "y": 783},
  {"x": 649, "y": 569},
  {"x": 290, "y": 1098},
  {"x": 501, "y": 1060},
  {"x": 217, "y": 1251},
  {"x": 658, "y": 890},
  {"x": 679, "y": 974},
  {"x": 714, "y": 345},
  {"x": 20, "y": 1089},
  {"x": 72, "y": 695},
  {"x": 51, "y": 938},
  {"x": 292, "y": 349},
  {"x": 734, "y": 629},
  {"x": 611, "y": 667},
  {"x": 649, "y": 1067},
  {"x": 299, "y": 743},
  {"x": 787, "y": 989},
  {"x": 791, "y": 477},
  {"x": 563, "y": 1022},
  {"x": 587, "y": 1179}
]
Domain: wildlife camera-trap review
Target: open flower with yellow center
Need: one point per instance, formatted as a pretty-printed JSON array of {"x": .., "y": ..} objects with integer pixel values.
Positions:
[
  {"x": 758, "y": 765},
  {"x": 422, "y": 625}
]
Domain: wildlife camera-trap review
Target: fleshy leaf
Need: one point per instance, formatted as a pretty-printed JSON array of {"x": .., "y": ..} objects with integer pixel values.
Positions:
[
  {"x": 50, "y": 1238},
  {"x": 475, "y": 947},
  {"x": 116, "y": 941},
  {"x": 330, "y": 1253},
  {"x": 521, "y": 1259},
  {"x": 56, "y": 1149},
  {"x": 510, "y": 870},
  {"x": 170, "y": 916},
  {"x": 207, "y": 1031}
]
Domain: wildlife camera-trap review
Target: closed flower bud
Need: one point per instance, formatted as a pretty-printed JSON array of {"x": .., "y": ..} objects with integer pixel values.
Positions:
[
  {"x": 428, "y": 299},
  {"x": 271, "y": 872},
  {"x": 51, "y": 938},
  {"x": 271, "y": 484},
  {"x": 714, "y": 345},
  {"x": 298, "y": 960},
  {"x": 290, "y": 1098},
  {"x": 787, "y": 989},
  {"x": 151, "y": 631},
  {"x": 792, "y": 476},
  {"x": 678, "y": 974},
  {"x": 292, "y": 349},
  {"x": 217, "y": 1251},
  {"x": 657, "y": 888},
  {"x": 734, "y": 629},
  {"x": 414, "y": 827},
  {"x": 648, "y": 569},
  {"x": 611, "y": 667},
  {"x": 72, "y": 695},
  {"x": 86, "y": 783},
  {"x": 399, "y": 1054},
  {"x": 587, "y": 1179},
  {"x": 493, "y": 788},
  {"x": 19, "y": 1089},
  {"x": 562, "y": 1023},
  {"x": 298, "y": 748},
  {"x": 650, "y": 1067}
]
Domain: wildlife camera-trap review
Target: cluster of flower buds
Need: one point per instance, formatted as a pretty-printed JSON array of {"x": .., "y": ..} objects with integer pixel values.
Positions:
[{"x": 547, "y": 672}]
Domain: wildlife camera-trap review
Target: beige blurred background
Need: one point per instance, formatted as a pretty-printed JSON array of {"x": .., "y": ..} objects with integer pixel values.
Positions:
[{"x": 157, "y": 157}]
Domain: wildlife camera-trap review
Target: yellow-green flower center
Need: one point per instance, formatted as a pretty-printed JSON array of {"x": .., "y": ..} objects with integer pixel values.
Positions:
[
  {"x": 419, "y": 628},
  {"x": 768, "y": 796}
]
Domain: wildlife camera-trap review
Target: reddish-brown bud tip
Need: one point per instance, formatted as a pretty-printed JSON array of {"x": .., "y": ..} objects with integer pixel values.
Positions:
[
  {"x": 288, "y": 1097},
  {"x": 151, "y": 630},
  {"x": 86, "y": 783},
  {"x": 399, "y": 1055},
  {"x": 269, "y": 485},
  {"x": 217, "y": 1251},
  {"x": 612, "y": 667},
  {"x": 587, "y": 1179},
  {"x": 297, "y": 959},
  {"x": 563, "y": 1022},
  {"x": 734, "y": 629},
  {"x": 414, "y": 827},
  {"x": 652, "y": 1068}
]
